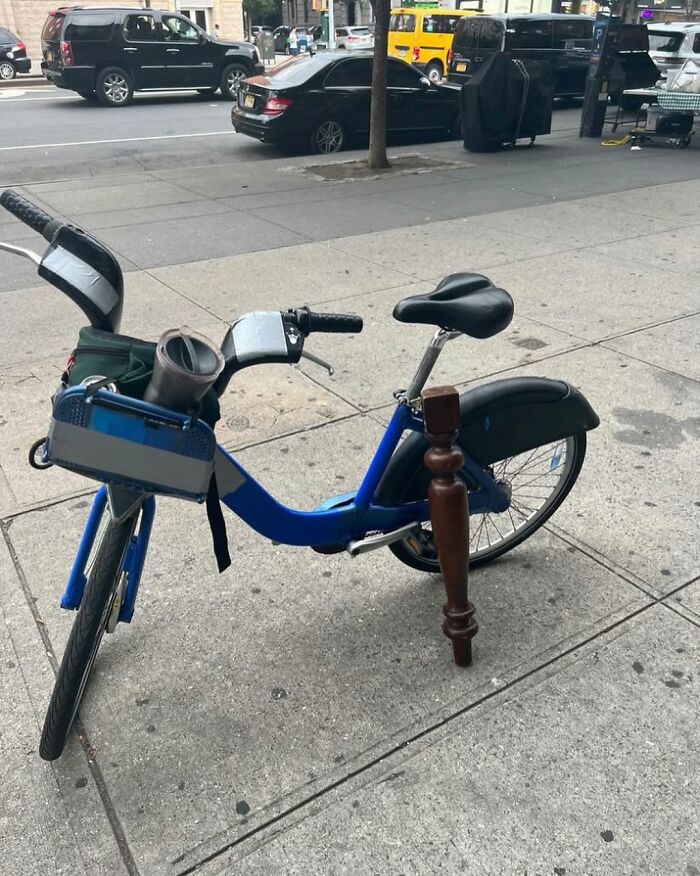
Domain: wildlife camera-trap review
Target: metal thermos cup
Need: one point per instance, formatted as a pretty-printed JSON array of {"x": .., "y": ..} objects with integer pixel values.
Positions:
[{"x": 186, "y": 365}]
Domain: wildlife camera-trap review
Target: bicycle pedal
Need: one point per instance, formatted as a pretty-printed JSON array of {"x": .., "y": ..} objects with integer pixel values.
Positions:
[{"x": 382, "y": 539}]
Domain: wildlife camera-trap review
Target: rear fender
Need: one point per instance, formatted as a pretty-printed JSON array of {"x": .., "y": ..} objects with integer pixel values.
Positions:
[{"x": 498, "y": 420}]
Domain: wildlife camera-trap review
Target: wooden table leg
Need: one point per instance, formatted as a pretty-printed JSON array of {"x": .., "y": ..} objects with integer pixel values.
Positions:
[{"x": 449, "y": 515}]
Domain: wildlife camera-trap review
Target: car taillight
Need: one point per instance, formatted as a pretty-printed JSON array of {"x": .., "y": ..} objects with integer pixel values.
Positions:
[
  {"x": 352, "y": 38},
  {"x": 416, "y": 53},
  {"x": 20, "y": 47},
  {"x": 275, "y": 106},
  {"x": 450, "y": 56},
  {"x": 66, "y": 53}
]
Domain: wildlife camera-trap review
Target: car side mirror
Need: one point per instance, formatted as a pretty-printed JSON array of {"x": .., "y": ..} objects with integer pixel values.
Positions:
[{"x": 424, "y": 83}]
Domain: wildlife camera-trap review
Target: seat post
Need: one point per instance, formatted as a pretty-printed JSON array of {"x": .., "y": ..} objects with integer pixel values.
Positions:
[{"x": 427, "y": 363}]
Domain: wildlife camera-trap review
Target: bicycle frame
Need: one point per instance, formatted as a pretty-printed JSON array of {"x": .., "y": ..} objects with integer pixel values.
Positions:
[{"x": 337, "y": 521}]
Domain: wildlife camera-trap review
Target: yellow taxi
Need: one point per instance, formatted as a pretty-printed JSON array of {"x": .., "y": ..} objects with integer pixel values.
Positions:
[{"x": 424, "y": 36}]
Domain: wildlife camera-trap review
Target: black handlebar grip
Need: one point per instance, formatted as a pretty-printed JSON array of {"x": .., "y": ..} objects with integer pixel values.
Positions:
[
  {"x": 25, "y": 211},
  {"x": 334, "y": 322}
]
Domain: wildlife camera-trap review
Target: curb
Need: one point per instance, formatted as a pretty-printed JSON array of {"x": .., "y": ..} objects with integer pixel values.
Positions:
[{"x": 24, "y": 82}]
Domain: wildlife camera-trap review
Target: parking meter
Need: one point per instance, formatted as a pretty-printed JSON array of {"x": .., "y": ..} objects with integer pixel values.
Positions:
[
  {"x": 606, "y": 31},
  {"x": 266, "y": 47}
]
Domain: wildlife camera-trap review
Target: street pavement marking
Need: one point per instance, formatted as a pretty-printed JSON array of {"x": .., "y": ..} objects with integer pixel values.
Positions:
[
  {"x": 121, "y": 140},
  {"x": 31, "y": 99}
]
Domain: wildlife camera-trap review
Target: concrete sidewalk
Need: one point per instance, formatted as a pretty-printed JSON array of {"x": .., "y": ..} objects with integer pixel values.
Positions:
[{"x": 300, "y": 714}]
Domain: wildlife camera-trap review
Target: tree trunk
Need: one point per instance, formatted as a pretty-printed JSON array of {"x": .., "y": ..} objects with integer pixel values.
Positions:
[{"x": 377, "y": 123}]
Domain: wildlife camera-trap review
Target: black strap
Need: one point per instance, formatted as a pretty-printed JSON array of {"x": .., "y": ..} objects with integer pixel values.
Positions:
[{"x": 217, "y": 526}]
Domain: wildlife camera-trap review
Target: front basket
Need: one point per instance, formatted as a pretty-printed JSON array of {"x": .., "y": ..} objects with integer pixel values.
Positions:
[{"x": 120, "y": 440}]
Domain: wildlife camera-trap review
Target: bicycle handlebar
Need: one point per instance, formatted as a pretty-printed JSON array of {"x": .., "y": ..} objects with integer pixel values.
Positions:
[
  {"x": 30, "y": 214},
  {"x": 307, "y": 321}
]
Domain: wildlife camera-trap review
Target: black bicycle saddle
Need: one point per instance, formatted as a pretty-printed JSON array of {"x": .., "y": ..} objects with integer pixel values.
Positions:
[{"x": 468, "y": 303}]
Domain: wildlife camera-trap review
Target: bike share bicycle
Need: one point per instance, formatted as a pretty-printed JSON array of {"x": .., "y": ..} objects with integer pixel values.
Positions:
[{"x": 146, "y": 431}]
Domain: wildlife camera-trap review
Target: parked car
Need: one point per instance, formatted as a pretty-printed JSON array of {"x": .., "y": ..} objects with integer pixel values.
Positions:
[
  {"x": 672, "y": 43},
  {"x": 13, "y": 55},
  {"x": 108, "y": 53},
  {"x": 423, "y": 37},
  {"x": 313, "y": 33},
  {"x": 353, "y": 38},
  {"x": 562, "y": 42},
  {"x": 322, "y": 102}
]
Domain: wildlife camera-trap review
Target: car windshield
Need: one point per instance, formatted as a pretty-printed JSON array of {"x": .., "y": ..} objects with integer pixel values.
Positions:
[
  {"x": 665, "y": 41},
  {"x": 359, "y": 31},
  {"x": 297, "y": 70}
]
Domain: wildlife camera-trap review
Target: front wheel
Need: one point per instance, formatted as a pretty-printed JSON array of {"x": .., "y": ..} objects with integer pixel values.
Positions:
[
  {"x": 538, "y": 481},
  {"x": 7, "y": 70},
  {"x": 114, "y": 87},
  {"x": 327, "y": 137},
  {"x": 97, "y": 614}
]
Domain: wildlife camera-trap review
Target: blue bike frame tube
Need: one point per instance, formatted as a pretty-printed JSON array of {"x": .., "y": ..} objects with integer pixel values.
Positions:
[
  {"x": 76, "y": 580},
  {"x": 398, "y": 423},
  {"x": 136, "y": 559}
]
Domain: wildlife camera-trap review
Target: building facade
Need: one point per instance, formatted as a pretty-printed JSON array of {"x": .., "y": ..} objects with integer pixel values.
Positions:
[{"x": 26, "y": 17}]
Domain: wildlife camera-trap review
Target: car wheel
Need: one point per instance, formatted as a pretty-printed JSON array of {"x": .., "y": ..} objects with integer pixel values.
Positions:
[
  {"x": 434, "y": 71},
  {"x": 231, "y": 78},
  {"x": 7, "y": 70},
  {"x": 114, "y": 87},
  {"x": 327, "y": 137},
  {"x": 88, "y": 95}
]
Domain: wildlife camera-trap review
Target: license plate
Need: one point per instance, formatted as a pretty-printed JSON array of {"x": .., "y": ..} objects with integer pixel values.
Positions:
[
  {"x": 462, "y": 68},
  {"x": 402, "y": 53},
  {"x": 249, "y": 101}
]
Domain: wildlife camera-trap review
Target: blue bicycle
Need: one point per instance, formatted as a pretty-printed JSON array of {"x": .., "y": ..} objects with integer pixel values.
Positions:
[{"x": 523, "y": 439}]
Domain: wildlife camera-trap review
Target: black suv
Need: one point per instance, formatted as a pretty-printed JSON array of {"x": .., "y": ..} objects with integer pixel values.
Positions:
[
  {"x": 106, "y": 54},
  {"x": 13, "y": 55}
]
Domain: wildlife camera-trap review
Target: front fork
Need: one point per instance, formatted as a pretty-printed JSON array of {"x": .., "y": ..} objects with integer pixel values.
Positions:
[{"x": 133, "y": 559}]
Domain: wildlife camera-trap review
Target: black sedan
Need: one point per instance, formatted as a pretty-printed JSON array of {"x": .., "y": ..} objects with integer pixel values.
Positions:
[
  {"x": 13, "y": 55},
  {"x": 322, "y": 102}
]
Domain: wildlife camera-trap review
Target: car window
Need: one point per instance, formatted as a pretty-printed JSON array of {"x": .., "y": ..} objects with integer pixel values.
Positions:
[
  {"x": 140, "y": 28},
  {"x": 466, "y": 33},
  {"x": 7, "y": 37},
  {"x": 529, "y": 33},
  {"x": 440, "y": 23},
  {"x": 400, "y": 75},
  {"x": 403, "y": 22},
  {"x": 176, "y": 29},
  {"x": 360, "y": 31},
  {"x": 52, "y": 28},
  {"x": 93, "y": 26},
  {"x": 576, "y": 32},
  {"x": 491, "y": 34},
  {"x": 353, "y": 73},
  {"x": 341, "y": 32},
  {"x": 696, "y": 44},
  {"x": 665, "y": 41}
]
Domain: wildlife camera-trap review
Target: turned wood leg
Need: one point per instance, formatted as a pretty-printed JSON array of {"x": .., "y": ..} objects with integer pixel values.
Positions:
[{"x": 449, "y": 515}]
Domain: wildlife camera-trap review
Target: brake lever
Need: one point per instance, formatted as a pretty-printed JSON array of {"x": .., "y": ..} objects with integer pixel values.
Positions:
[{"x": 318, "y": 361}]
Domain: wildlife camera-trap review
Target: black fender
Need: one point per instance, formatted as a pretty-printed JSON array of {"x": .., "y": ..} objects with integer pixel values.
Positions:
[{"x": 498, "y": 420}]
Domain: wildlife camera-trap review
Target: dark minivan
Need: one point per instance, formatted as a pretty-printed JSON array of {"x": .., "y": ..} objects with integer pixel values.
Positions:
[
  {"x": 562, "y": 42},
  {"x": 108, "y": 53}
]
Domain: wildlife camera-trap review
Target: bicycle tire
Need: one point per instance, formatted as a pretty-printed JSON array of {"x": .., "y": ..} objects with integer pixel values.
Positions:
[
  {"x": 403, "y": 551},
  {"x": 85, "y": 638}
]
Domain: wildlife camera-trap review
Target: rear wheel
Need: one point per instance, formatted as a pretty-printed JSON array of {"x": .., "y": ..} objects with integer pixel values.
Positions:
[
  {"x": 114, "y": 87},
  {"x": 7, "y": 70},
  {"x": 98, "y": 612},
  {"x": 231, "y": 78},
  {"x": 327, "y": 137},
  {"x": 538, "y": 480},
  {"x": 434, "y": 71}
]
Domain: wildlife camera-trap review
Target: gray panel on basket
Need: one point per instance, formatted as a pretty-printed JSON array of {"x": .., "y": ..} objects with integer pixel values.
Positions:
[
  {"x": 84, "y": 448},
  {"x": 260, "y": 333}
]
